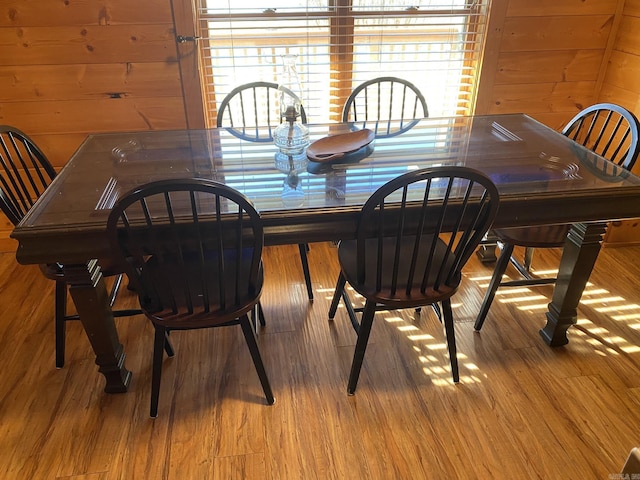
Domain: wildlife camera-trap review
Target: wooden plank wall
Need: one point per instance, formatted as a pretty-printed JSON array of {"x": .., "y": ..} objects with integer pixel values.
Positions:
[
  {"x": 621, "y": 85},
  {"x": 545, "y": 57},
  {"x": 69, "y": 68}
]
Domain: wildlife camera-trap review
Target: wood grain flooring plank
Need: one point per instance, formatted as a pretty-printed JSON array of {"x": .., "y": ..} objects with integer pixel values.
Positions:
[{"x": 521, "y": 410}]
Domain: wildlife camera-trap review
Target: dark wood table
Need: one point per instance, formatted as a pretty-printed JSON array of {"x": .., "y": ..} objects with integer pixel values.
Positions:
[{"x": 543, "y": 178}]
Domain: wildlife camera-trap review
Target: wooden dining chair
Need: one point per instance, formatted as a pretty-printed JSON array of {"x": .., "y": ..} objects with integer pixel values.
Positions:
[
  {"x": 250, "y": 112},
  {"x": 25, "y": 173},
  {"x": 387, "y": 105},
  {"x": 606, "y": 129},
  {"x": 193, "y": 251},
  {"x": 414, "y": 236}
]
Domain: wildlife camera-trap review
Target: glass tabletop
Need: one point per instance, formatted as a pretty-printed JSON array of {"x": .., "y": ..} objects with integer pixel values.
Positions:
[{"x": 523, "y": 157}]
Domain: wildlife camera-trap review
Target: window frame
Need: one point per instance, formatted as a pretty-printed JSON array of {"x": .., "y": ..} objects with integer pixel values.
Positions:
[{"x": 342, "y": 19}]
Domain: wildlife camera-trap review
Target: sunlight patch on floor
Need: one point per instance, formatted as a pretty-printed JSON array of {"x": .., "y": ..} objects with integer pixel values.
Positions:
[
  {"x": 591, "y": 290},
  {"x": 525, "y": 298},
  {"x": 598, "y": 336},
  {"x": 595, "y": 297},
  {"x": 627, "y": 317},
  {"x": 545, "y": 273},
  {"x": 535, "y": 306},
  {"x": 407, "y": 328},
  {"x": 591, "y": 301},
  {"x": 631, "y": 348},
  {"x": 617, "y": 308},
  {"x": 394, "y": 320},
  {"x": 602, "y": 301},
  {"x": 420, "y": 338},
  {"x": 330, "y": 290},
  {"x": 522, "y": 298}
]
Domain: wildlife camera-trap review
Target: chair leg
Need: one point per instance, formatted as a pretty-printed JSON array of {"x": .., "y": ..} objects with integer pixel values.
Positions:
[
  {"x": 61, "y": 318},
  {"x": 303, "y": 247},
  {"x": 261, "y": 318},
  {"x": 447, "y": 317},
  {"x": 113, "y": 294},
  {"x": 60, "y": 321},
  {"x": 487, "y": 251},
  {"x": 168, "y": 347},
  {"x": 257, "y": 315},
  {"x": 250, "y": 338},
  {"x": 361, "y": 345},
  {"x": 498, "y": 272},
  {"x": 528, "y": 258},
  {"x": 337, "y": 295},
  {"x": 158, "y": 350}
]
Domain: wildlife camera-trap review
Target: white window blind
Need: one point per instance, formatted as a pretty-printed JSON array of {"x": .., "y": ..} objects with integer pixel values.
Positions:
[{"x": 435, "y": 44}]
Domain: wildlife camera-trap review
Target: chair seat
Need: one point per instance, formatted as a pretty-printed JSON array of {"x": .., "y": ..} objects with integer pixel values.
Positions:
[
  {"x": 543, "y": 236},
  {"x": 399, "y": 298},
  {"x": 183, "y": 312}
]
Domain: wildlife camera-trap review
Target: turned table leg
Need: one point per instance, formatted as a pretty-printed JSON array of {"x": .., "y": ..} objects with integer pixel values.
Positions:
[
  {"x": 487, "y": 250},
  {"x": 578, "y": 258},
  {"x": 90, "y": 296}
]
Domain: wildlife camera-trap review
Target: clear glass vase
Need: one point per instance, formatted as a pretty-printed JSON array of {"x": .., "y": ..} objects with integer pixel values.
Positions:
[{"x": 291, "y": 136}]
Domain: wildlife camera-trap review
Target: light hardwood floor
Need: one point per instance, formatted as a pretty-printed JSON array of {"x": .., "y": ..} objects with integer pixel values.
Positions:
[{"x": 522, "y": 409}]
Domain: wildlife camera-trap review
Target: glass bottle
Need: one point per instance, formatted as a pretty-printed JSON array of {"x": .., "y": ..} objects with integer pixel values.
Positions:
[{"x": 291, "y": 136}]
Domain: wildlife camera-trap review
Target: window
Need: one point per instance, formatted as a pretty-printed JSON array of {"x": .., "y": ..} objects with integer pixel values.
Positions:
[{"x": 435, "y": 44}]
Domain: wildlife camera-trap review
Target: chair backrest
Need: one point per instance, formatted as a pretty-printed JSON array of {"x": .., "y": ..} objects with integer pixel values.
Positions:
[
  {"x": 191, "y": 248},
  {"x": 608, "y": 130},
  {"x": 454, "y": 204},
  {"x": 379, "y": 102},
  {"x": 249, "y": 107},
  {"x": 25, "y": 173}
]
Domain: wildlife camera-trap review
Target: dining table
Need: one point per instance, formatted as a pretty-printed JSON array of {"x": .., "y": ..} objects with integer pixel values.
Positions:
[{"x": 542, "y": 176}]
